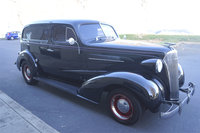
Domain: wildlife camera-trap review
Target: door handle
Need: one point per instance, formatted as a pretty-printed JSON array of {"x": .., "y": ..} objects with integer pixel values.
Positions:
[
  {"x": 43, "y": 48},
  {"x": 50, "y": 50}
]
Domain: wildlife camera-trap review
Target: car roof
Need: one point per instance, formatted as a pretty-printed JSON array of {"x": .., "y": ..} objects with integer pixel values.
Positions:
[{"x": 71, "y": 22}]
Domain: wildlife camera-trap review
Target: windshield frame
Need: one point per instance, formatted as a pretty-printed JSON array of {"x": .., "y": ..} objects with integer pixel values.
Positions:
[{"x": 100, "y": 24}]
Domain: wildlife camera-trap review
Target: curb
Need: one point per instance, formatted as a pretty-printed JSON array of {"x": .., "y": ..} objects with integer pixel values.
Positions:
[{"x": 26, "y": 115}]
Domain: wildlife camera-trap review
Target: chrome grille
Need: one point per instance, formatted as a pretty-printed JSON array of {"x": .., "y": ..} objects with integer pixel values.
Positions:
[{"x": 171, "y": 63}]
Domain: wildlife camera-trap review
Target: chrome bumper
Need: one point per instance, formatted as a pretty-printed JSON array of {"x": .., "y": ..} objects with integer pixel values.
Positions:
[{"x": 178, "y": 104}]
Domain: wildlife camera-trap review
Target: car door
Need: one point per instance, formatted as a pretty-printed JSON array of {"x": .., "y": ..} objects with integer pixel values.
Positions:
[
  {"x": 65, "y": 60},
  {"x": 100, "y": 59},
  {"x": 36, "y": 39}
]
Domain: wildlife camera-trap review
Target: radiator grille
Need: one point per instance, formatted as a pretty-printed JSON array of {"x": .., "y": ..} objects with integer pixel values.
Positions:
[{"x": 171, "y": 63}]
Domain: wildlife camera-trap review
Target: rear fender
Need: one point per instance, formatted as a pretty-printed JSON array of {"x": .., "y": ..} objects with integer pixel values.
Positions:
[
  {"x": 25, "y": 56},
  {"x": 145, "y": 89}
]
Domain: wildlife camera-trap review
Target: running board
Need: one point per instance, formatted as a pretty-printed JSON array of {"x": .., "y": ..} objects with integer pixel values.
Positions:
[
  {"x": 64, "y": 86},
  {"x": 69, "y": 88}
]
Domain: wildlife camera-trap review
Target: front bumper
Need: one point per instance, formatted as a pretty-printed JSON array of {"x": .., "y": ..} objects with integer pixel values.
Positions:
[{"x": 178, "y": 104}]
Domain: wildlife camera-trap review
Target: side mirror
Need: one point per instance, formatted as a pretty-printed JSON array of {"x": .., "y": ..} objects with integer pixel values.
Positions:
[{"x": 71, "y": 41}]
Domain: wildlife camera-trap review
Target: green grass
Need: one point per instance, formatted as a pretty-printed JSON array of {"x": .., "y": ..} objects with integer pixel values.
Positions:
[{"x": 163, "y": 38}]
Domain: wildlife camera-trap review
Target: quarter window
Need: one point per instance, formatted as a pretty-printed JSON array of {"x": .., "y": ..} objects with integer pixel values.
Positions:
[
  {"x": 36, "y": 32},
  {"x": 70, "y": 33}
]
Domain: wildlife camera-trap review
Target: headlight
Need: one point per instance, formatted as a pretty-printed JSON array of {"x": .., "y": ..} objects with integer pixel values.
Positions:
[{"x": 159, "y": 66}]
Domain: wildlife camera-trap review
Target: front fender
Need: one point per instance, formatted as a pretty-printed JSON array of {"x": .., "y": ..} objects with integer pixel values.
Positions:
[
  {"x": 27, "y": 56},
  {"x": 145, "y": 89}
]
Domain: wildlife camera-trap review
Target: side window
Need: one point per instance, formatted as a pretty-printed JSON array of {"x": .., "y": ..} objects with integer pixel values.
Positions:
[
  {"x": 61, "y": 33},
  {"x": 36, "y": 32}
]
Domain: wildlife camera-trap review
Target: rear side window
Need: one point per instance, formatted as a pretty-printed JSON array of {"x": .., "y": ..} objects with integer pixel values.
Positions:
[
  {"x": 61, "y": 33},
  {"x": 36, "y": 32}
]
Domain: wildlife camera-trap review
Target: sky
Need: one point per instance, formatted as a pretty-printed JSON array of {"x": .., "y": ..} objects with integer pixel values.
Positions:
[{"x": 127, "y": 16}]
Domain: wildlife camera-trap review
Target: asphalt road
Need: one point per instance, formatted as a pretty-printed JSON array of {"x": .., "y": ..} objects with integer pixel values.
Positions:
[{"x": 67, "y": 113}]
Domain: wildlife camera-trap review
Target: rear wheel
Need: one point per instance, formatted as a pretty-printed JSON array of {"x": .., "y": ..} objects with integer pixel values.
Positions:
[
  {"x": 124, "y": 106},
  {"x": 28, "y": 72}
]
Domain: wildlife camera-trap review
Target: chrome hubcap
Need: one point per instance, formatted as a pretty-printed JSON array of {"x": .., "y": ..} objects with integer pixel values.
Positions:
[
  {"x": 121, "y": 107},
  {"x": 27, "y": 73}
]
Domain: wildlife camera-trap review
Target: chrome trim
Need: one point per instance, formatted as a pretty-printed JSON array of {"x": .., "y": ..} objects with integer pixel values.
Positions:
[
  {"x": 85, "y": 71},
  {"x": 100, "y": 59},
  {"x": 180, "y": 71},
  {"x": 159, "y": 63},
  {"x": 123, "y": 105},
  {"x": 171, "y": 64},
  {"x": 50, "y": 50},
  {"x": 153, "y": 91}
]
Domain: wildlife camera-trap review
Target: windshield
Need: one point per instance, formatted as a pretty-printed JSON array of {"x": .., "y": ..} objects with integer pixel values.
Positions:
[{"x": 97, "y": 32}]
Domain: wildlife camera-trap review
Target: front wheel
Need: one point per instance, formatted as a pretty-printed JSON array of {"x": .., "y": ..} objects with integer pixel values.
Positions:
[
  {"x": 28, "y": 72},
  {"x": 124, "y": 106}
]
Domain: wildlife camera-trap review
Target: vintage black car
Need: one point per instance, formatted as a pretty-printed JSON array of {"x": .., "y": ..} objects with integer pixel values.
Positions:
[{"x": 88, "y": 59}]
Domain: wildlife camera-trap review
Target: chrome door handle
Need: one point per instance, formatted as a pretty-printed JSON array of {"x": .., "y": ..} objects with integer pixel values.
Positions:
[
  {"x": 50, "y": 50},
  {"x": 43, "y": 48},
  {"x": 27, "y": 44}
]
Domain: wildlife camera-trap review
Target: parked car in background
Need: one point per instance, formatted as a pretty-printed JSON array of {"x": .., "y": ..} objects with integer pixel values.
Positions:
[{"x": 12, "y": 35}]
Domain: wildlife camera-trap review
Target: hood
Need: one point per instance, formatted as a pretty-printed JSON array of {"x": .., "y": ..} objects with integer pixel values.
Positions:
[{"x": 133, "y": 45}]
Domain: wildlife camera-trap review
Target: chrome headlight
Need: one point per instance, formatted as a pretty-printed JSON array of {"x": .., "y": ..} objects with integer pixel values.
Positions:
[
  {"x": 159, "y": 66},
  {"x": 156, "y": 64}
]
